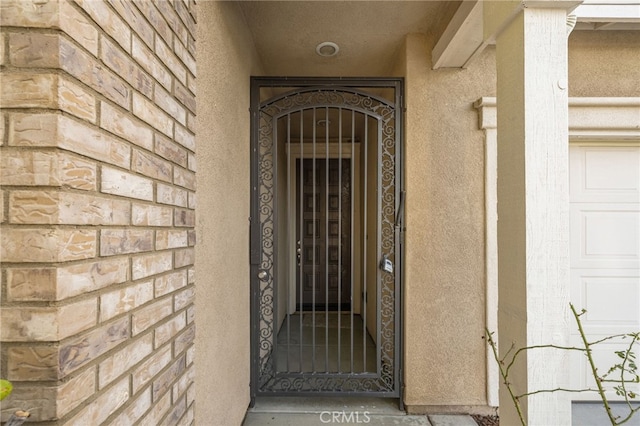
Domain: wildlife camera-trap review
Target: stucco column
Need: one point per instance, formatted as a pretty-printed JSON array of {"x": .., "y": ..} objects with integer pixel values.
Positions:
[{"x": 533, "y": 201}]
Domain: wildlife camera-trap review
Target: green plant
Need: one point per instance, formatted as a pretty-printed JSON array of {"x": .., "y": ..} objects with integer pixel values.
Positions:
[{"x": 620, "y": 375}]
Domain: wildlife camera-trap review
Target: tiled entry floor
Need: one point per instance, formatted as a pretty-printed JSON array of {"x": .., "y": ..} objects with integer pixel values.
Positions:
[{"x": 321, "y": 340}]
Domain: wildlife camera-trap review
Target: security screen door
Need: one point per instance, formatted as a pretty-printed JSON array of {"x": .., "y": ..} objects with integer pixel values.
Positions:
[{"x": 326, "y": 231}]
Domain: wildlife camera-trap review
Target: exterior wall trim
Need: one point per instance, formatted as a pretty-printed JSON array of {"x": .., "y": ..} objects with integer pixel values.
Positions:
[{"x": 613, "y": 119}]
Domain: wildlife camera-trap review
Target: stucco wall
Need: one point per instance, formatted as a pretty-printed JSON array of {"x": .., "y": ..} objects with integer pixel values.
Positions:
[
  {"x": 604, "y": 63},
  {"x": 445, "y": 274},
  {"x": 227, "y": 58}
]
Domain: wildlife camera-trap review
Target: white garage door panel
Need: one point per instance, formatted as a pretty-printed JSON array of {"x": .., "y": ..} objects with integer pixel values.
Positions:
[
  {"x": 605, "y": 174},
  {"x": 605, "y": 254},
  {"x": 605, "y": 235},
  {"x": 605, "y": 357},
  {"x": 611, "y": 298}
]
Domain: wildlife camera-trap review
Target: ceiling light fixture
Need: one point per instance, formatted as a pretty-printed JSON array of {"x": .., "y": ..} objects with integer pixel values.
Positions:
[{"x": 327, "y": 49}]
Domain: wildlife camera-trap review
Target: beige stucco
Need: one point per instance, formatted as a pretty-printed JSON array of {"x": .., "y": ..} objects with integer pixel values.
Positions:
[
  {"x": 604, "y": 63},
  {"x": 227, "y": 59},
  {"x": 444, "y": 263}
]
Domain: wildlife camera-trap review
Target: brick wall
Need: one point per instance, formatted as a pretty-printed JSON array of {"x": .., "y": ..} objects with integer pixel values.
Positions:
[{"x": 98, "y": 194}]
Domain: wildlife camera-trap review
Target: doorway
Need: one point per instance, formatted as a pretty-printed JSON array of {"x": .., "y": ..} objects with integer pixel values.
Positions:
[{"x": 326, "y": 230}]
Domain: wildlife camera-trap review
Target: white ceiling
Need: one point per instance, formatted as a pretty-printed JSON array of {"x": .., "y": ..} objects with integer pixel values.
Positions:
[{"x": 369, "y": 33}]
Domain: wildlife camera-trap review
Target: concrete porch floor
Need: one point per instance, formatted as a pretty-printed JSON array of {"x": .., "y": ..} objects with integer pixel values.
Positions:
[{"x": 312, "y": 411}]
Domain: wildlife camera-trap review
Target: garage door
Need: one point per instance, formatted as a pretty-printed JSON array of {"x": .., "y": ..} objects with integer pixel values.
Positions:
[{"x": 605, "y": 250}]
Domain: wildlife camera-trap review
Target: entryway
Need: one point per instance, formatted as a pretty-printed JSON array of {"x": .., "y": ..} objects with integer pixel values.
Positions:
[{"x": 326, "y": 231}]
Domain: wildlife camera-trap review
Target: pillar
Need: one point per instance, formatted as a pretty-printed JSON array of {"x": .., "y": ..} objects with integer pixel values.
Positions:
[{"x": 533, "y": 201}]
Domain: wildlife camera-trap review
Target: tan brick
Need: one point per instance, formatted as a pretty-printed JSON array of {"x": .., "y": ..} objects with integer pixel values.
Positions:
[
  {"x": 77, "y": 390},
  {"x": 75, "y": 100},
  {"x": 123, "y": 241},
  {"x": 186, "y": 58},
  {"x": 170, "y": 60},
  {"x": 150, "y": 215},
  {"x": 46, "y": 245},
  {"x": 191, "y": 275},
  {"x": 185, "y": 138},
  {"x": 82, "y": 278},
  {"x": 191, "y": 237},
  {"x": 191, "y": 83},
  {"x": 48, "y": 207},
  {"x": 184, "y": 217},
  {"x": 78, "y": 138},
  {"x": 184, "y": 257},
  {"x": 176, "y": 412},
  {"x": 170, "y": 150},
  {"x": 151, "y": 264},
  {"x": 124, "y": 66},
  {"x": 102, "y": 407},
  {"x": 184, "y": 178},
  {"x": 125, "y": 126},
  {"x": 118, "y": 182},
  {"x": 169, "y": 283},
  {"x": 37, "y": 395},
  {"x": 32, "y": 363},
  {"x": 156, "y": 413},
  {"x": 184, "y": 298},
  {"x": 28, "y": 90},
  {"x": 79, "y": 351},
  {"x": 166, "y": 379},
  {"x": 192, "y": 162},
  {"x": 166, "y": 331},
  {"x": 185, "y": 96},
  {"x": 26, "y": 324},
  {"x": 189, "y": 417},
  {"x": 29, "y": 168},
  {"x": 3, "y": 128},
  {"x": 138, "y": 24},
  {"x": 2, "y": 215},
  {"x": 148, "y": 316},
  {"x": 184, "y": 340},
  {"x": 81, "y": 139},
  {"x": 31, "y": 284},
  {"x": 77, "y": 173},
  {"x": 166, "y": 194},
  {"x": 185, "y": 16},
  {"x": 166, "y": 239},
  {"x": 135, "y": 410},
  {"x": 191, "y": 122},
  {"x": 155, "y": 19},
  {"x": 166, "y": 9},
  {"x": 191, "y": 313},
  {"x": 109, "y": 21},
  {"x": 148, "y": 61},
  {"x": 125, "y": 299},
  {"x": 148, "y": 112},
  {"x": 165, "y": 101},
  {"x": 150, "y": 165},
  {"x": 78, "y": 27},
  {"x": 181, "y": 386},
  {"x": 123, "y": 360},
  {"x": 34, "y": 50},
  {"x": 191, "y": 355},
  {"x": 88, "y": 70},
  {"x": 149, "y": 368},
  {"x": 193, "y": 200},
  {"x": 28, "y": 13},
  {"x": 33, "y": 129}
]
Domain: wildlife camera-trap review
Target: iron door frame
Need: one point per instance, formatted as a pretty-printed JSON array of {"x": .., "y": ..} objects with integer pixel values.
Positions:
[{"x": 328, "y": 84}]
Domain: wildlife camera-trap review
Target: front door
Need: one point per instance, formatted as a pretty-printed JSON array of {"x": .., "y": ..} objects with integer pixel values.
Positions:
[
  {"x": 323, "y": 234},
  {"x": 326, "y": 232}
]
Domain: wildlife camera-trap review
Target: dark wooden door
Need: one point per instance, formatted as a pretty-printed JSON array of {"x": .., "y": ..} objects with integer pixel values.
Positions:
[{"x": 323, "y": 234}]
